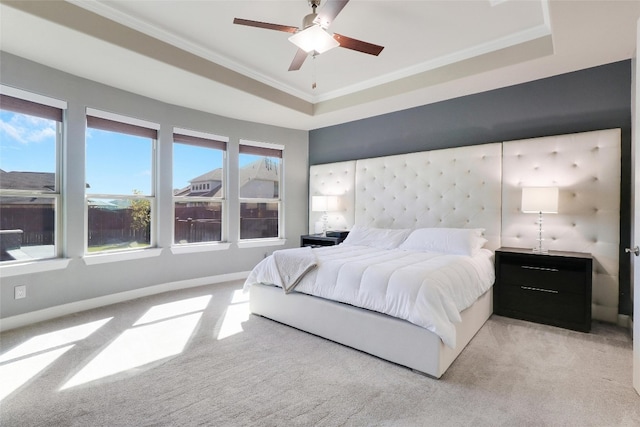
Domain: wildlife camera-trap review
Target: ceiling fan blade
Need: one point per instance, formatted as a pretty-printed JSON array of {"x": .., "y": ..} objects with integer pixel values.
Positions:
[
  {"x": 298, "y": 60},
  {"x": 360, "y": 46},
  {"x": 329, "y": 11},
  {"x": 265, "y": 25}
]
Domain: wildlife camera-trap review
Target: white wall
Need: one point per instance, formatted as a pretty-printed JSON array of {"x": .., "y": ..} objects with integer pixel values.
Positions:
[{"x": 79, "y": 281}]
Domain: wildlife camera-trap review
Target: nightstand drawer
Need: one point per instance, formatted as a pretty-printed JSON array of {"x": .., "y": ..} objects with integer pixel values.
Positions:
[
  {"x": 546, "y": 276},
  {"x": 530, "y": 303},
  {"x": 552, "y": 288}
]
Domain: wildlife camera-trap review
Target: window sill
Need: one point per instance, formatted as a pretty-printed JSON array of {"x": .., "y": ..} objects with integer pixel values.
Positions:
[
  {"x": 193, "y": 248},
  {"x": 34, "y": 267},
  {"x": 258, "y": 243},
  {"x": 121, "y": 256}
]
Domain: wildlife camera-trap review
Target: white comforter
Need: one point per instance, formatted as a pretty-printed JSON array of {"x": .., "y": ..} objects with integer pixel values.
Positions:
[{"x": 428, "y": 289}]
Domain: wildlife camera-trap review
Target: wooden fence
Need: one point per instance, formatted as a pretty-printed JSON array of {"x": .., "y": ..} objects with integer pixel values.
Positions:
[{"x": 112, "y": 226}]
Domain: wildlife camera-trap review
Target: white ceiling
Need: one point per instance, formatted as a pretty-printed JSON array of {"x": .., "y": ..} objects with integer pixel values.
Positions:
[{"x": 190, "y": 53}]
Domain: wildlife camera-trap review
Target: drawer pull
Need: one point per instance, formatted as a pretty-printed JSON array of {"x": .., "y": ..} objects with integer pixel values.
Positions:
[
  {"x": 530, "y": 267},
  {"x": 529, "y": 288}
]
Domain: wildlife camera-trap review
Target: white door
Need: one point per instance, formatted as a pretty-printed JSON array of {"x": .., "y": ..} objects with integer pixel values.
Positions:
[{"x": 635, "y": 262}]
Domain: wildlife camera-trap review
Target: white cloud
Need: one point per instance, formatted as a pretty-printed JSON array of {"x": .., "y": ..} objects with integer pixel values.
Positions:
[
  {"x": 11, "y": 131},
  {"x": 28, "y": 129}
]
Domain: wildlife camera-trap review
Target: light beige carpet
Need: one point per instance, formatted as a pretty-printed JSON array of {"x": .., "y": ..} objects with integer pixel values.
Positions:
[{"x": 190, "y": 358}]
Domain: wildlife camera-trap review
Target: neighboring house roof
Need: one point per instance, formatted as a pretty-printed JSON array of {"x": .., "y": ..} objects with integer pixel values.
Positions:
[
  {"x": 103, "y": 204},
  {"x": 216, "y": 191},
  {"x": 214, "y": 175},
  {"x": 37, "y": 181},
  {"x": 263, "y": 169}
]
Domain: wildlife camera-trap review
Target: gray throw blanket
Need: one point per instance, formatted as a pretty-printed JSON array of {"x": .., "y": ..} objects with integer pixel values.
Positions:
[{"x": 292, "y": 265}]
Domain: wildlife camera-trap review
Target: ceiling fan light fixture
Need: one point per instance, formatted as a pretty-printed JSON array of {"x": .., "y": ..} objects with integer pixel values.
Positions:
[{"x": 314, "y": 38}]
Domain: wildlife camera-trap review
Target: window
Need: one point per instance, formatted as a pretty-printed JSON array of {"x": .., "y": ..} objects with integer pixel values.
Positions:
[
  {"x": 260, "y": 182},
  {"x": 30, "y": 140},
  {"x": 120, "y": 167},
  {"x": 198, "y": 186}
]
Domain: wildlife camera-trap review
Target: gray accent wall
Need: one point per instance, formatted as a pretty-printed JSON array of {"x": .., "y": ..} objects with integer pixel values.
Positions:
[
  {"x": 80, "y": 281},
  {"x": 592, "y": 99}
]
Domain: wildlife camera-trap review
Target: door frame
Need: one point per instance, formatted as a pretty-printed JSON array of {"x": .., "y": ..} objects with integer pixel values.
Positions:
[{"x": 635, "y": 203}]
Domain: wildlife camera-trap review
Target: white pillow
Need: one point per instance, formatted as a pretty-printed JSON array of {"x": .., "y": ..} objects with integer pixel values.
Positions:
[
  {"x": 456, "y": 241},
  {"x": 382, "y": 238}
]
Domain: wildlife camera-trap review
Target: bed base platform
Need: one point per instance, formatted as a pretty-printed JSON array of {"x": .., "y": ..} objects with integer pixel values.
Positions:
[{"x": 389, "y": 338}]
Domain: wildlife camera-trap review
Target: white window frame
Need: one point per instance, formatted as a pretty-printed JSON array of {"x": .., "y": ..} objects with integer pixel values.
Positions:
[
  {"x": 124, "y": 254},
  {"x": 266, "y": 241},
  {"x": 224, "y": 227},
  {"x": 58, "y": 233}
]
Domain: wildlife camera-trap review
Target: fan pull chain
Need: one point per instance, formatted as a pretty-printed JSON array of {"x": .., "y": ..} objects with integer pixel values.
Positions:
[{"x": 313, "y": 72}]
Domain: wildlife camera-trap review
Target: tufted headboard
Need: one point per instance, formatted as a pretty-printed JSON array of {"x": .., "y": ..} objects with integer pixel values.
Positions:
[
  {"x": 586, "y": 169},
  {"x": 454, "y": 187},
  {"x": 334, "y": 179},
  {"x": 481, "y": 186}
]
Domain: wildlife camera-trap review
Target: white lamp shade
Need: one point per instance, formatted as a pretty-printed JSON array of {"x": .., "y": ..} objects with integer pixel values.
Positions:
[
  {"x": 540, "y": 199},
  {"x": 325, "y": 203},
  {"x": 319, "y": 203},
  {"x": 314, "y": 38}
]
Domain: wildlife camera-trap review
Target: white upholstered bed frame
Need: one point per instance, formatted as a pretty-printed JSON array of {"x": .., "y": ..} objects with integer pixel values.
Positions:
[
  {"x": 457, "y": 187},
  {"x": 461, "y": 187}
]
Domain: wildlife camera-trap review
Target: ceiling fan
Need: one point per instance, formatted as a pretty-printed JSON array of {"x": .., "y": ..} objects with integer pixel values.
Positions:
[{"x": 312, "y": 36}]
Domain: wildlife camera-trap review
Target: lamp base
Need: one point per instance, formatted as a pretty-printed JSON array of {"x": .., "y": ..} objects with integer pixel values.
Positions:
[
  {"x": 539, "y": 249},
  {"x": 325, "y": 218}
]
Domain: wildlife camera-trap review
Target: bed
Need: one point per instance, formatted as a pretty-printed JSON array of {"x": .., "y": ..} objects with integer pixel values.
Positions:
[
  {"x": 410, "y": 281},
  {"x": 380, "y": 300},
  {"x": 451, "y": 189}
]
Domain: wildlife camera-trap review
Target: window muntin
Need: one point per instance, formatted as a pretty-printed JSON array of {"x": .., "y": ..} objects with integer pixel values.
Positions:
[
  {"x": 260, "y": 180},
  {"x": 199, "y": 187},
  {"x": 30, "y": 139},
  {"x": 120, "y": 194}
]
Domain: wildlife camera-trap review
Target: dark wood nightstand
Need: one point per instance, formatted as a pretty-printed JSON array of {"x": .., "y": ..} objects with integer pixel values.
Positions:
[
  {"x": 315, "y": 240},
  {"x": 553, "y": 288}
]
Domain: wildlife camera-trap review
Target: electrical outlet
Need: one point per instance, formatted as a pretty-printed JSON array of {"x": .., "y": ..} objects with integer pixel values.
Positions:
[{"x": 20, "y": 292}]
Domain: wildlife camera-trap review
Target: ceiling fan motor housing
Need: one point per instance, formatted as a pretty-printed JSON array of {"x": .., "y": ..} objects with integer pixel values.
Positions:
[{"x": 307, "y": 21}]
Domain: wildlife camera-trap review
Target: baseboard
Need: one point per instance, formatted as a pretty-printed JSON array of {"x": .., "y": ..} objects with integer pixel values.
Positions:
[{"x": 77, "y": 306}]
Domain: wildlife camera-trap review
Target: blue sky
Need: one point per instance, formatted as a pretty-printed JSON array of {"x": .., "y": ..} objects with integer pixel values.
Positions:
[
  {"x": 27, "y": 143},
  {"x": 115, "y": 163},
  {"x": 190, "y": 161}
]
